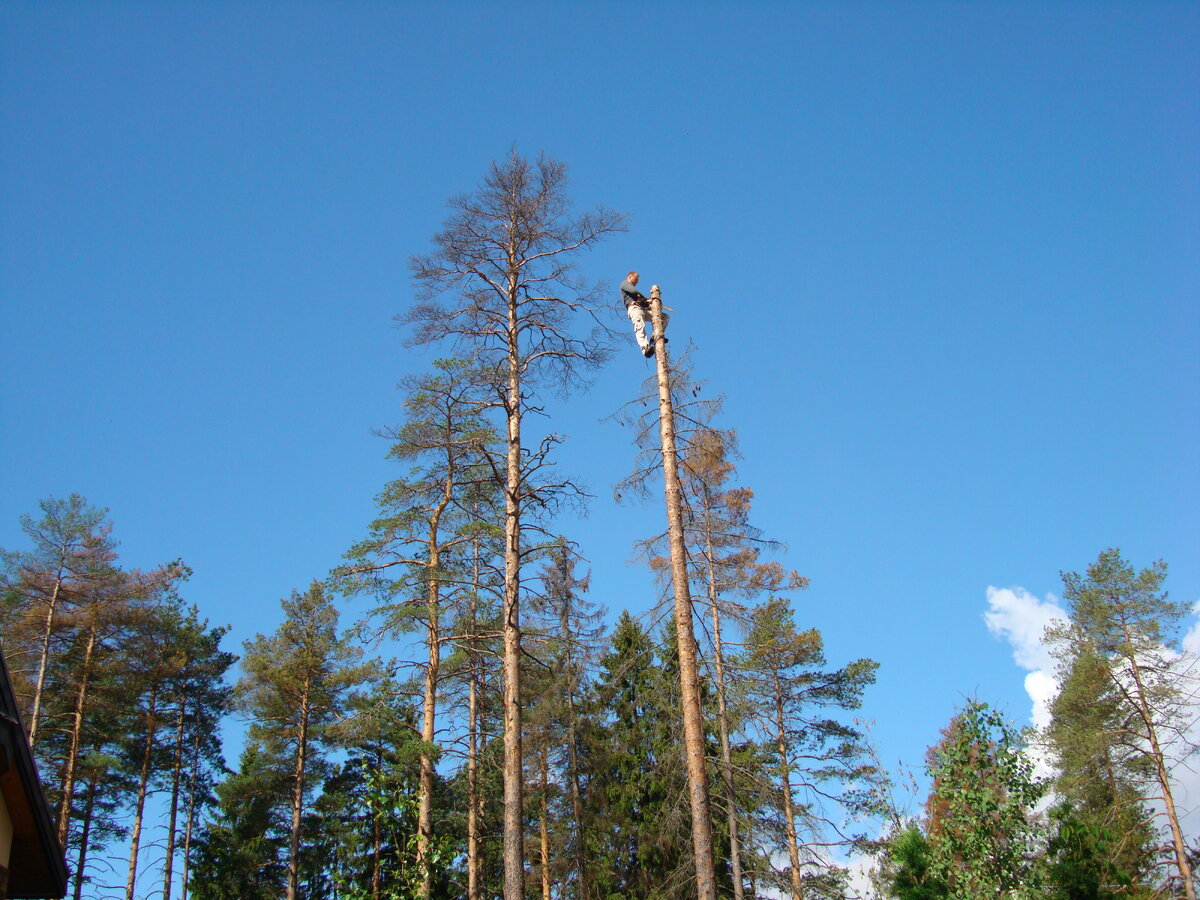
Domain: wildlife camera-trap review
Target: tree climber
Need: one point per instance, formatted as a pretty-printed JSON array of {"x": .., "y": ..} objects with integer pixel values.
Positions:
[{"x": 638, "y": 308}]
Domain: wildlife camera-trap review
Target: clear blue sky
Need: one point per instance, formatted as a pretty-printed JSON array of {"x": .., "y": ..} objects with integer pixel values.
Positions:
[{"x": 943, "y": 259}]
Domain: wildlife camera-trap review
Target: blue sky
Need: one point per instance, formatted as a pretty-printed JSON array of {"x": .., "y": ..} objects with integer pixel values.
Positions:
[{"x": 943, "y": 259}]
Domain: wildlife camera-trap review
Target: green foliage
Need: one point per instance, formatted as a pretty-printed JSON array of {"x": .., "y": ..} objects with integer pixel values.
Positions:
[
  {"x": 429, "y": 517},
  {"x": 240, "y": 852},
  {"x": 908, "y": 866},
  {"x": 982, "y": 839},
  {"x": 296, "y": 685},
  {"x": 390, "y": 821},
  {"x": 1119, "y": 709},
  {"x": 297, "y": 679},
  {"x": 637, "y": 793},
  {"x": 816, "y": 760},
  {"x": 1104, "y": 835},
  {"x": 369, "y": 804},
  {"x": 1119, "y": 611},
  {"x": 1086, "y": 859},
  {"x": 46, "y": 593}
]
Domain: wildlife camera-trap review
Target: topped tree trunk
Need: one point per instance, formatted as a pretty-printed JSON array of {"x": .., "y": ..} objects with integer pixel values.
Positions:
[{"x": 689, "y": 673}]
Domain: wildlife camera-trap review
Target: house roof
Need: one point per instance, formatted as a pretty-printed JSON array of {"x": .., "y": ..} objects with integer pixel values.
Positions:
[{"x": 37, "y": 868}]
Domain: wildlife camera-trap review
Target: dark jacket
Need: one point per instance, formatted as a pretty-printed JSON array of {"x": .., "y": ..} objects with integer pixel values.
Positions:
[{"x": 631, "y": 295}]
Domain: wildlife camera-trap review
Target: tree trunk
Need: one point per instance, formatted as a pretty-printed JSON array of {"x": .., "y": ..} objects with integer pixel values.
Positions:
[
  {"x": 689, "y": 676},
  {"x": 789, "y": 813},
  {"x": 1179, "y": 845},
  {"x": 68, "y": 782},
  {"x": 298, "y": 795},
  {"x": 135, "y": 836},
  {"x": 429, "y": 713},
  {"x": 428, "y": 733},
  {"x": 735, "y": 854},
  {"x": 544, "y": 815},
  {"x": 472, "y": 783},
  {"x": 573, "y": 776},
  {"x": 176, "y": 778},
  {"x": 81, "y": 857},
  {"x": 376, "y": 855},
  {"x": 52, "y": 606},
  {"x": 514, "y": 838},
  {"x": 474, "y": 681},
  {"x": 191, "y": 816}
]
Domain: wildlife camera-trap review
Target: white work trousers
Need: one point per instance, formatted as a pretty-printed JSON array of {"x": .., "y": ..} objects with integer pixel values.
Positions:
[{"x": 638, "y": 316}]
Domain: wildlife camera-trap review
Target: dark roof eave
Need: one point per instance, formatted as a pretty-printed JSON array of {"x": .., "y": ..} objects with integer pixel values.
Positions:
[{"x": 53, "y": 877}]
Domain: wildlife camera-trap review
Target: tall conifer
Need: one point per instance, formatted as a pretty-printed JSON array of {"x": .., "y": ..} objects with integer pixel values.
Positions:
[
  {"x": 500, "y": 285},
  {"x": 1117, "y": 654},
  {"x": 295, "y": 686},
  {"x": 817, "y": 756}
]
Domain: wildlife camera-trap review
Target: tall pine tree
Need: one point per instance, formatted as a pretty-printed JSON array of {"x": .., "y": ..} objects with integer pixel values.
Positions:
[
  {"x": 499, "y": 283},
  {"x": 296, "y": 684},
  {"x": 817, "y": 756},
  {"x": 1118, "y": 726}
]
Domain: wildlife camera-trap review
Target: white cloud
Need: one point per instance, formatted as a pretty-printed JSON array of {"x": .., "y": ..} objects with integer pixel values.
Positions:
[
  {"x": 1191, "y": 640},
  {"x": 1042, "y": 688},
  {"x": 1017, "y": 616},
  {"x": 860, "y": 876},
  {"x": 1021, "y": 618}
]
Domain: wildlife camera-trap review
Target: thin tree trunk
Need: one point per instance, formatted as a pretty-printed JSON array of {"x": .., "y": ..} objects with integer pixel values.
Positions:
[
  {"x": 68, "y": 783},
  {"x": 376, "y": 857},
  {"x": 135, "y": 836},
  {"x": 298, "y": 795},
  {"x": 191, "y": 816},
  {"x": 514, "y": 837},
  {"x": 689, "y": 676},
  {"x": 425, "y": 802},
  {"x": 543, "y": 815},
  {"x": 52, "y": 606},
  {"x": 735, "y": 853},
  {"x": 789, "y": 812},
  {"x": 376, "y": 833},
  {"x": 576, "y": 792},
  {"x": 1163, "y": 777},
  {"x": 429, "y": 713},
  {"x": 84, "y": 837},
  {"x": 577, "y": 808},
  {"x": 472, "y": 776},
  {"x": 176, "y": 778}
]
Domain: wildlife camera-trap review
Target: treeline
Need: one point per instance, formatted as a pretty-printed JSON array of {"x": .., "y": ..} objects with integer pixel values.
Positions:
[
  {"x": 361, "y": 779},
  {"x": 123, "y": 686},
  {"x": 1106, "y": 823},
  {"x": 478, "y": 732}
]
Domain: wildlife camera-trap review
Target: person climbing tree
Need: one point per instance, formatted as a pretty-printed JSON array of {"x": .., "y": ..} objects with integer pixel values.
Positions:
[{"x": 638, "y": 308}]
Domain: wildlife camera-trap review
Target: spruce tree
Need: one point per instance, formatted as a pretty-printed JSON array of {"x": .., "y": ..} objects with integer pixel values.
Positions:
[
  {"x": 638, "y": 836},
  {"x": 241, "y": 850},
  {"x": 369, "y": 809},
  {"x": 574, "y": 623}
]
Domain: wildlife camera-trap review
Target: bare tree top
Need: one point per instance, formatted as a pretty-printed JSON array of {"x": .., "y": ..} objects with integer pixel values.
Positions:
[{"x": 501, "y": 279}]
